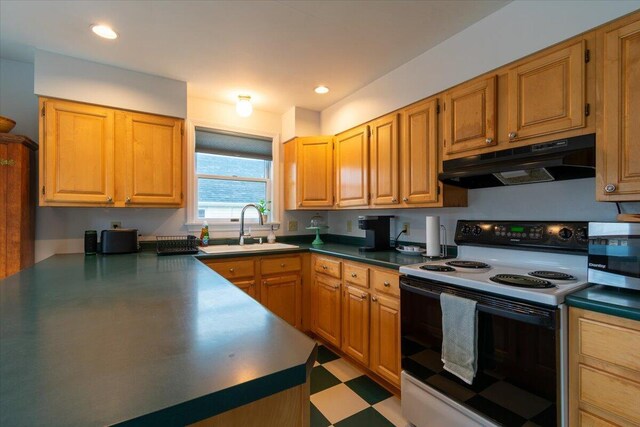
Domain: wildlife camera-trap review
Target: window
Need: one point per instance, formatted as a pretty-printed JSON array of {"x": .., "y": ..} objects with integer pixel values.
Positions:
[{"x": 231, "y": 171}]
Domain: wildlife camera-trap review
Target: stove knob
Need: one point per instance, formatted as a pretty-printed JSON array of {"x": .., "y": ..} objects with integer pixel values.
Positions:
[
  {"x": 565, "y": 233},
  {"x": 466, "y": 229},
  {"x": 582, "y": 236},
  {"x": 477, "y": 230}
]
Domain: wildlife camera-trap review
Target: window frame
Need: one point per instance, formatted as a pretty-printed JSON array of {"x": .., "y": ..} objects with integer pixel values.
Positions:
[{"x": 194, "y": 223}]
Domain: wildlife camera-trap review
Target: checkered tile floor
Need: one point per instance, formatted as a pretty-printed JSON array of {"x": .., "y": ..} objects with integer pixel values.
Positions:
[{"x": 343, "y": 396}]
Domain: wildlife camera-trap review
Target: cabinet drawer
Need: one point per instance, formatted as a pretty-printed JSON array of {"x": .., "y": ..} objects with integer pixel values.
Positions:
[
  {"x": 356, "y": 275},
  {"x": 280, "y": 265},
  {"x": 610, "y": 392},
  {"x": 234, "y": 269},
  {"x": 328, "y": 266},
  {"x": 589, "y": 420},
  {"x": 597, "y": 339},
  {"x": 386, "y": 282}
]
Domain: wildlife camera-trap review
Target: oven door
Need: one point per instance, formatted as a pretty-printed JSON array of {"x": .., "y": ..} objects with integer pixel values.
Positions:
[{"x": 518, "y": 379}]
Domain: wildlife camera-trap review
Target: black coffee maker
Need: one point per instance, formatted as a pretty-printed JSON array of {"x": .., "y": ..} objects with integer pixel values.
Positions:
[{"x": 377, "y": 232}]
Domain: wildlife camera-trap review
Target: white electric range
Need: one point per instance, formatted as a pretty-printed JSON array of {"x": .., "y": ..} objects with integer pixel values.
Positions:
[{"x": 519, "y": 272}]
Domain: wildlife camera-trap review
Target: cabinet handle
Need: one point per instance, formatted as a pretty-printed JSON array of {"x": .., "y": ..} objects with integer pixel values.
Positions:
[
  {"x": 324, "y": 267},
  {"x": 363, "y": 296},
  {"x": 127, "y": 200},
  {"x": 109, "y": 199},
  {"x": 394, "y": 200},
  {"x": 609, "y": 188},
  {"x": 282, "y": 265},
  {"x": 512, "y": 135},
  {"x": 386, "y": 284},
  {"x": 336, "y": 287},
  {"x": 406, "y": 199},
  {"x": 374, "y": 299},
  {"x": 231, "y": 270},
  {"x": 354, "y": 275},
  {"x": 7, "y": 162},
  {"x": 488, "y": 140}
]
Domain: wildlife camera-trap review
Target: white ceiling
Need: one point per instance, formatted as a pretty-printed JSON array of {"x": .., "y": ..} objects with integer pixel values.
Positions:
[{"x": 276, "y": 51}]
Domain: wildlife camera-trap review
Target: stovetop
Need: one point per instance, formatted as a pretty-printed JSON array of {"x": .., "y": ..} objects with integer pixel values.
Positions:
[{"x": 548, "y": 290}]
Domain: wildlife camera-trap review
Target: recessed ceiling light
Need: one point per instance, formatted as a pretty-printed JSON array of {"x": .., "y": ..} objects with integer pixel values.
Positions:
[
  {"x": 104, "y": 31},
  {"x": 321, "y": 89}
]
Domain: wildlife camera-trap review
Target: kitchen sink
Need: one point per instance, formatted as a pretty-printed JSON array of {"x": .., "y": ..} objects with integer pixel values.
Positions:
[{"x": 254, "y": 247}]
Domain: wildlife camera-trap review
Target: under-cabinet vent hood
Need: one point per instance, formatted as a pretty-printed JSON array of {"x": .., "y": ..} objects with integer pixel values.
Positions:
[{"x": 571, "y": 158}]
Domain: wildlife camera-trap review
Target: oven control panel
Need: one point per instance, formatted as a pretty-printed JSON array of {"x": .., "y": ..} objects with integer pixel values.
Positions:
[{"x": 567, "y": 236}]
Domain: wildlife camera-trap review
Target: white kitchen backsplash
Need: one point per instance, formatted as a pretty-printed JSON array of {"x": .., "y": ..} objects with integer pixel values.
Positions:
[{"x": 564, "y": 200}]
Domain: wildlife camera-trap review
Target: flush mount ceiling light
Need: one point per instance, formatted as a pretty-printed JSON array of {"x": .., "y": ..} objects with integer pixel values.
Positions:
[
  {"x": 104, "y": 31},
  {"x": 321, "y": 89},
  {"x": 243, "y": 106}
]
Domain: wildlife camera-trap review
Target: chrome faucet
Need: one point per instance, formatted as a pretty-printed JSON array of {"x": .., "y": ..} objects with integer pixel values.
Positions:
[{"x": 242, "y": 233}]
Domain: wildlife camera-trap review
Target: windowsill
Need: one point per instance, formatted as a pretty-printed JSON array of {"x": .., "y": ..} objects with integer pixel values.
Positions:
[{"x": 232, "y": 226}]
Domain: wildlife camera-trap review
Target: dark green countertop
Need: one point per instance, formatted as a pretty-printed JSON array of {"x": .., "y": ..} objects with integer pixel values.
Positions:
[
  {"x": 137, "y": 340},
  {"x": 388, "y": 259},
  {"x": 608, "y": 300}
]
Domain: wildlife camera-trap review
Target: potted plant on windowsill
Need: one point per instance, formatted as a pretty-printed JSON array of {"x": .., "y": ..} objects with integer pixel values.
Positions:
[{"x": 263, "y": 207}]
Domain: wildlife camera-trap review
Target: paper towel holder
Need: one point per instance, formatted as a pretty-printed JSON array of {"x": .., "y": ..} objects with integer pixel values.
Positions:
[{"x": 444, "y": 250}]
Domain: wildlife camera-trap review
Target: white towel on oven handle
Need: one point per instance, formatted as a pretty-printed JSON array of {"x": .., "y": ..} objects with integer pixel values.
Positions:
[{"x": 459, "y": 336}]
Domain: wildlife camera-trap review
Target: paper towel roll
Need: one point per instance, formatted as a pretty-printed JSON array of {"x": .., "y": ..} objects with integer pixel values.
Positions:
[{"x": 433, "y": 236}]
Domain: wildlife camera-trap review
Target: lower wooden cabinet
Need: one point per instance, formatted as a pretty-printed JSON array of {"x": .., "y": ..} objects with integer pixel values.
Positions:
[
  {"x": 274, "y": 281},
  {"x": 249, "y": 286},
  {"x": 604, "y": 369},
  {"x": 359, "y": 314},
  {"x": 281, "y": 295},
  {"x": 355, "y": 324},
  {"x": 385, "y": 337},
  {"x": 325, "y": 303}
]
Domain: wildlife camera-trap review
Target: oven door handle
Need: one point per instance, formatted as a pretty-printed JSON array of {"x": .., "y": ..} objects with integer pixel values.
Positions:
[{"x": 513, "y": 311}]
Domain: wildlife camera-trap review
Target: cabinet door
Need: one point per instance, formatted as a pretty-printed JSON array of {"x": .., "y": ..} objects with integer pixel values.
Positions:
[
  {"x": 153, "y": 159},
  {"x": 618, "y": 167},
  {"x": 470, "y": 117},
  {"x": 282, "y": 296},
  {"x": 78, "y": 150},
  {"x": 355, "y": 324},
  {"x": 385, "y": 338},
  {"x": 248, "y": 286},
  {"x": 326, "y": 309},
  {"x": 315, "y": 172},
  {"x": 352, "y": 167},
  {"x": 547, "y": 94},
  {"x": 384, "y": 161},
  {"x": 420, "y": 154}
]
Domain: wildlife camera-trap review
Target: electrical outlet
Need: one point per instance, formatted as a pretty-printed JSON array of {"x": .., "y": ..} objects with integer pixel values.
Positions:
[
  {"x": 405, "y": 227},
  {"x": 349, "y": 226},
  {"x": 293, "y": 225},
  {"x": 116, "y": 224}
]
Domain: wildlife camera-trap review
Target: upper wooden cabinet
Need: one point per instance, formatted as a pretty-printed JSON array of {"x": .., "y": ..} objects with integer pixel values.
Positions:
[
  {"x": 384, "y": 153},
  {"x": 77, "y": 153},
  {"x": 352, "y": 167},
  {"x": 420, "y": 154},
  {"x": 153, "y": 159},
  {"x": 470, "y": 117},
  {"x": 308, "y": 163},
  {"x": 547, "y": 93},
  {"x": 98, "y": 156},
  {"x": 618, "y": 126}
]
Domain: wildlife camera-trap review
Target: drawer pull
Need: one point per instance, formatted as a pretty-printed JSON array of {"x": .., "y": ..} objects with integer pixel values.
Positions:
[
  {"x": 354, "y": 275},
  {"x": 282, "y": 264},
  {"x": 386, "y": 284},
  {"x": 336, "y": 287},
  {"x": 324, "y": 267},
  {"x": 231, "y": 270},
  {"x": 363, "y": 296},
  {"x": 374, "y": 299}
]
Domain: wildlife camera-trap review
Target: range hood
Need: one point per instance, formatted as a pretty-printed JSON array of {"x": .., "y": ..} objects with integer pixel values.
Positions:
[{"x": 571, "y": 158}]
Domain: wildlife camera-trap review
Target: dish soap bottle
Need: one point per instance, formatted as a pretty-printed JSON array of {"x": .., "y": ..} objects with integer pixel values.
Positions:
[
  {"x": 271, "y": 237},
  {"x": 204, "y": 234}
]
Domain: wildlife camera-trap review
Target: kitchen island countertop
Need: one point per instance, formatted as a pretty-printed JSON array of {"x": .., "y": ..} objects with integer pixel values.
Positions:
[{"x": 137, "y": 340}]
